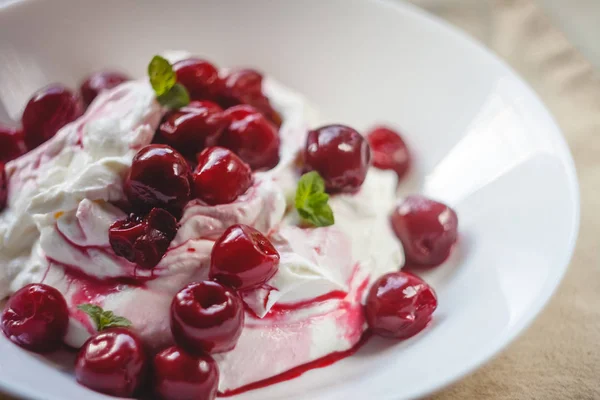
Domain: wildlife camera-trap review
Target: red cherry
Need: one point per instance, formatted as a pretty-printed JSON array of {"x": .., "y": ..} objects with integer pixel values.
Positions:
[
  {"x": 36, "y": 318},
  {"x": 98, "y": 82},
  {"x": 399, "y": 305},
  {"x": 243, "y": 258},
  {"x": 143, "y": 240},
  {"x": 159, "y": 177},
  {"x": 200, "y": 78},
  {"x": 340, "y": 155},
  {"x": 47, "y": 111},
  {"x": 12, "y": 144},
  {"x": 426, "y": 228},
  {"x": 192, "y": 128},
  {"x": 113, "y": 362},
  {"x": 244, "y": 86},
  {"x": 180, "y": 376},
  {"x": 252, "y": 137},
  {"x": 221, "y": 176},
  {"x": 389, "y": 150},
  {"x": 3, "y": 187},
  {"x": 206, "y": 317}
]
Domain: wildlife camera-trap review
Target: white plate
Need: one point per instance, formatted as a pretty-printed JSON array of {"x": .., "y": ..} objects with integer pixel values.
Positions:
[{"x": 484, "y": 143}]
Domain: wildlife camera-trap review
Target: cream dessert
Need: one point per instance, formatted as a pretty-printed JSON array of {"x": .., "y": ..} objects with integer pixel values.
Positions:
[{"x": 193, "y": 224}]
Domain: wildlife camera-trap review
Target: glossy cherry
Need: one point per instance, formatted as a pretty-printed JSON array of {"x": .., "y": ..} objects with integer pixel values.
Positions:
[
  {"x": 427, "y": 229},
  {"x": 206, "y": 317},
  {"x": 159, "y": 177},
  {"x": 180, "y": 376},
  {"x": 143, "y": 241},
  {"x": 47, "y": 111},
  {"x": 252, "y": 137},
  {"x": 200, "y": 77},
  {"x": 113, "y": 362},
  {"x": 99, "y": 82},
  {"x": 12, "y": 144},
  {"x": 399, "y": 305},
  {"x": 221, "y": 176},
  {"x": 389, "y": 150},
  {"x": 3, "y": 187},
  {"x": 340, "y": 155},
  {"x": 243, "y": 258},
  {"x": 36, "y": 318},
  {"x": 244, "y": 86},
  {"x": 192, "y": 128}
]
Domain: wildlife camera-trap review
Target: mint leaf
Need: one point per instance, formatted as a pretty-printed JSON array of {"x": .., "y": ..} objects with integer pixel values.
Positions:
[
  {"x": 311, "y": 200},
  {"x": 163, "y": 79},
  {"x": 162, "y": 76},
  {"x": 177, "y": 97},
  {"x": 103, "y": 319}
]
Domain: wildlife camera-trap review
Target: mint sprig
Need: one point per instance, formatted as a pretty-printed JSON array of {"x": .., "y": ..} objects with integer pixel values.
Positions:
[
  {"x": 311, "y": 200},
  {"x": 163, "y": 79},
  {"x": 103, "y": 319}
]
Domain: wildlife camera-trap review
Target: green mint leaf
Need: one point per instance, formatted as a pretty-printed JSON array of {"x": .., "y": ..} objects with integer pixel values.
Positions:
[
  {"x": 175, "y": 98},
  {"x": 311, "y": 200},
  {"x": 103, "y": 319},
  {"x": 162, "y": 76}
]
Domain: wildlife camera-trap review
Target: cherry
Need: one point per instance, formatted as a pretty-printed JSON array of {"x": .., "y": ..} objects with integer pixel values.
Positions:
[
  {"x": 340, "y": 155},
  {"x": 159, "y": 177},
  {"x": 399, "y": 305},
  {"x": 426, "y": 228},
  {"x": 252, "y": 137},
  {"x": 389, "y": 150},
  {"x": 200, "y": 78},
  {"x": 206, "y": 317},
  {"x": 36, "y": 318},
  {"x": 243, "y": 258},
  {"x": 143, "y": 240},
  {"x": 113, "y": 362},
  {"x": 3, "y": 187},
  {"x": 244, "y": 86},
  {"x": 221, "y": 176},
  {"x": 192, "y": 128},
  {"x": 98, "y": 82},
  {"x": 12, "y": 144},
  {"x": 180, "y": 376},
  {"x": 47, "y": 111}
]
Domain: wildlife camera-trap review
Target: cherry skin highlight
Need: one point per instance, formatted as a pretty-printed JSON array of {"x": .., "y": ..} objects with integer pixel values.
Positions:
[
  {"x": 113, "y": 362},
  {"x": 36, "y": 318},
  {"x": 48, "y": 110},
  {"x": 194, "y": 127},
  {"x": 180, "y": 376},
  {"x": 98, "y": 82},
  {"x": 200, "y": 78},
  {"x": 252, "y": 137},
  {"x": 243, "y": 258},
  {"x": 206, "y": 317},
  {"x": 158, "y": 178},
  {"x": 399, "y": 305},
  {"x": 389, "y": 151},
  {"x": 427, "y": 229},
  {"x": 221, "y": 176},
  {"x": 340, "y": 155}
]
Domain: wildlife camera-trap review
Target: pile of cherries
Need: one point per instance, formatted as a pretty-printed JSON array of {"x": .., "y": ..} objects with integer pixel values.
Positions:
[{"x": 207, "y": 150}]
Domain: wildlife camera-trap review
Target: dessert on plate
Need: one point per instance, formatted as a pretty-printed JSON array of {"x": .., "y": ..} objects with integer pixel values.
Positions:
[{"x": 198, "y": 232}]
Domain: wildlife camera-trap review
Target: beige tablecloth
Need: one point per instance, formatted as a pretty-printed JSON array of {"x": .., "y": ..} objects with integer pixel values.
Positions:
[{"x": 559, "y": 355}]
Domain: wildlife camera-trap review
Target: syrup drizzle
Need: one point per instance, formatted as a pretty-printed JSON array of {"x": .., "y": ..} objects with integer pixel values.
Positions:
[{"x": 299, "y": 370}]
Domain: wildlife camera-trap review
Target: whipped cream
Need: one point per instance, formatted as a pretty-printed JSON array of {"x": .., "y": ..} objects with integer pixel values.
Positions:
[{"x": 61, "y": 205}]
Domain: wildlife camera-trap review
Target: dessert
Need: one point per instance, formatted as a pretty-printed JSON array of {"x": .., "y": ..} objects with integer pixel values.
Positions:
[{"x": 202, "y": 220}]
